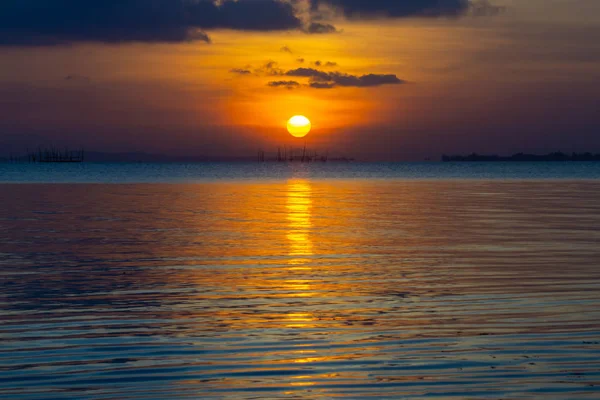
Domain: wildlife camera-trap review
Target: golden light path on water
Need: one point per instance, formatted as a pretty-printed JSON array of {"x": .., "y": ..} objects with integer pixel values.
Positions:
[{"x": 299, "y": 204}]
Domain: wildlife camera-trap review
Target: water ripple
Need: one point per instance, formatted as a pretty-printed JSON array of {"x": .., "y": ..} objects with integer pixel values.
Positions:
[{"x": 397, "y": 289}]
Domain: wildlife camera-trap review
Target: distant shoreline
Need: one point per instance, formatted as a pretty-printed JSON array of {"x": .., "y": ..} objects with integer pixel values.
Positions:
[{"x": 522, "y": 157}]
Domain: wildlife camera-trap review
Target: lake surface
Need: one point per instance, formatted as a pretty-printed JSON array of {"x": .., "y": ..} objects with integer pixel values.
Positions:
[
  {"x": 301, "y": 288},
  {"x": 272, "y": 171}
]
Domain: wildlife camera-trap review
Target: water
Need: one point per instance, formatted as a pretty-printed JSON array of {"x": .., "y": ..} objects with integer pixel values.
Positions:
[
  {"x": 301, "y": 288},
  {"x": 205, "y": 172}
]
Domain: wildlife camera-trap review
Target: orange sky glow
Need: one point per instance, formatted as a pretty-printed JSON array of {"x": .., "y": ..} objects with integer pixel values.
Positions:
[{"x": 484, "y": 84}]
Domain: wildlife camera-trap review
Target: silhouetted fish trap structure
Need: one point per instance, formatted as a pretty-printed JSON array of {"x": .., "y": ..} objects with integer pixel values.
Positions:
[
  {"x": 52, "y": 155},
  {"x": 291, "y": 154}
]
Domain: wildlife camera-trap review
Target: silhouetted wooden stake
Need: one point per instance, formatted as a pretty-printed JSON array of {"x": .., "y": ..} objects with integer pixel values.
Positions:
[{"x": 304, "y": 151}]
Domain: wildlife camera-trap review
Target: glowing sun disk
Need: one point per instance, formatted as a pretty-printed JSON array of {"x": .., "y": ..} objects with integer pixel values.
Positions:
[{"x": 299, "y": 126}]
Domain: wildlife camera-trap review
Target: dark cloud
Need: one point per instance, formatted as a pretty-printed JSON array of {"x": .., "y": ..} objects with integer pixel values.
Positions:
[
  {"x": 285, "y": 84},
  {"x": 46, "y": 22},
  {"x": 270, "y": 68},
  {"x": 240, "y": 71},
  {"x": 300, "y": 60},
  {"x": 483, "y": 8},
  {"x": 286, "y": 49},
  {"x": 327, "y": 80},
  {"x": 325, "y": 64},
  {"x": 309, "y": 73},
  {"x": 49, "y": 22},
  {"x": 321, "y": 85},
  {"x": 368, "y": 9},
  {"x": 357, "y": 9},
  {"x": 365, "y": 80},
  {"x": 319, "y": 28}
]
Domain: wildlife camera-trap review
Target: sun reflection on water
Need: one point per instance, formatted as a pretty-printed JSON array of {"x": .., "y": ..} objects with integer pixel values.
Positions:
[{"x": 299, "y": 205}]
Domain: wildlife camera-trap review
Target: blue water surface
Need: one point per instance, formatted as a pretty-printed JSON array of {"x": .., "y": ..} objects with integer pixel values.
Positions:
[{"x": 205, "y": 172}]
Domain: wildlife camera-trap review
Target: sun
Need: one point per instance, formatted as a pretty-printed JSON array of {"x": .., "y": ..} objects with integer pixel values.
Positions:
[{"x": 299, "y": 126}]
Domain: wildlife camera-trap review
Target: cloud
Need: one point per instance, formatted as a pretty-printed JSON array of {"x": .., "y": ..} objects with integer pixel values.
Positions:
[
  {"x": 361, "y": 9},
  {"x": 270, "y": 68},
  {"x": 366, "y": 80},
  {"x": 322, "y": 10},
  {"x": 285, "y": 84},
  {"x": 50, "y": 22},
  {"x": 325, "y": 64},
  {"x": 240, "y": 71},
  {"x": 300, "y": 60},
  {"x": 319, "y": 28},
  {"x": 197, "y": 35},
  {"x": 286, "y": 49},
  {"x": 328, "y": 80},
  {"x": 483, "y": 8},
  {"x": 309, "y": 73},
  {"x": 322, "y": 85}
]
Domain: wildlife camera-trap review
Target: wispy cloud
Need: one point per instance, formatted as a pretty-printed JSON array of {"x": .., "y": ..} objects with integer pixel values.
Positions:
[
  {"x": 285, "y": 84},
  {"x": 325, "y": 64},
  {"x": 328, "y": 80},
  {"x": 319, "y": 28},
  {"x": 240, "y": 71}
]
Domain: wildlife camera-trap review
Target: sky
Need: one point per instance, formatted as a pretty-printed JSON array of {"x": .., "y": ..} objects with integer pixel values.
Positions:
[{"x": 379, "y": 79}]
